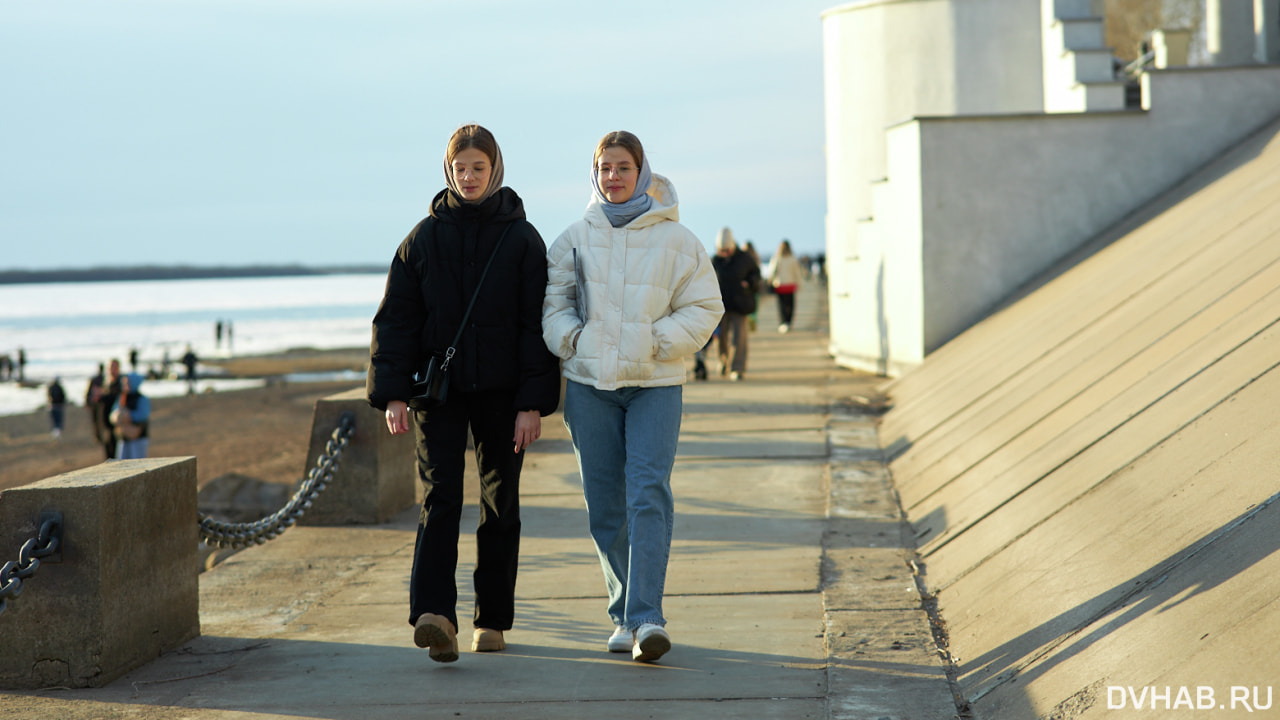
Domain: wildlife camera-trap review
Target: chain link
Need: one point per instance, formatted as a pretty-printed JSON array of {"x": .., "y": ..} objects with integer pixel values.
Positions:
[
  {"x": 216, "y": 533},
  {"x": 44, "y": 544}
]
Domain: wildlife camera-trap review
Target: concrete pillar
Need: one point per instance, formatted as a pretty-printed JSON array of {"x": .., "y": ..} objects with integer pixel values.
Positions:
[
  {"x": 1266, "y": 27},
  {"x": 125, "y": 590},
  {"x": 1172, "y": 47},
  {"x": 1229, "y": 32},
  {"x": 375, "y": 478}
]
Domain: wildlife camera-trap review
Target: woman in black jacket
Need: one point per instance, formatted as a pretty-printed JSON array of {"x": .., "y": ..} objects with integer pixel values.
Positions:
[{"x": 502, "y": 380}]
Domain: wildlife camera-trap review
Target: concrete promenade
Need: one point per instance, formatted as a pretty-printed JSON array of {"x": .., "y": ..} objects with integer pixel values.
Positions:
[{"x": 789, "y": 594}]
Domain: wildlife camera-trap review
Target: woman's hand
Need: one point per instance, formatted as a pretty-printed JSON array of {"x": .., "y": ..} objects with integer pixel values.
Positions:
[
  {"x": 528, "y": 428},
  {"x": 397, "y": 417}
]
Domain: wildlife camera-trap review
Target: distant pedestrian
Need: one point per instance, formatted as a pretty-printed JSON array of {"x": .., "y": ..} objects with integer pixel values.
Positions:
[
  {"x": 217, "y": 334},
  {"x": 623, "y": 339},
  {"x": 133, "y": 359},
  {"x": 819, "y": 268},
  {"x": 57, "y": 406},
  {"x": 739, "y": 277},
  {"x": 93, "y": 404},
  {"x": 22, "y": 365},
  {"x": 110, "y": 393},
  {"x": 700, "y": 360},
  {"x": 6, "y": 367},
  {"x": 752, "y": 320},
  {"x": 501, "y": 382},
  {"x": 131, "y": 415},
  {"x": 189, "y": 359},
  {"x": 784, "y": 276}
]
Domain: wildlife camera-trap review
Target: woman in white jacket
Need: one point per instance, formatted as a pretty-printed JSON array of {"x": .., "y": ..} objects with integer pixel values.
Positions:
[
  {"x": 630, "y": 294},
  {"x": 785, "y": 275}
]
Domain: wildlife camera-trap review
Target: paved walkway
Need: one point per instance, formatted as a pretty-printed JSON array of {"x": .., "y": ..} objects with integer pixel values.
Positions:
[{"x": 788, "y": 596}]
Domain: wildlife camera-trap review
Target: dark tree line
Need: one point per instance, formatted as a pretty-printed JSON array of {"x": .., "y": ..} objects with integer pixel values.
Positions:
[{"x": 172, "y": 272}]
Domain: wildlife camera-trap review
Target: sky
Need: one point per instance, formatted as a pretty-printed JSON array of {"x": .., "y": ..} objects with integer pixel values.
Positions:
[{"x": 238, "y": 132}]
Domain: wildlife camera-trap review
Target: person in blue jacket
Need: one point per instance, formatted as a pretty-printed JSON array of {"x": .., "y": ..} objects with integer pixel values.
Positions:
[{"x": 131, "y": 414}]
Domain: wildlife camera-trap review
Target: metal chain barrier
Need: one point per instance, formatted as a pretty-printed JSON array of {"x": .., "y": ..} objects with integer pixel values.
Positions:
[
  {"x": 216, "y": 533},
  {"x": 44, "y": 544}
]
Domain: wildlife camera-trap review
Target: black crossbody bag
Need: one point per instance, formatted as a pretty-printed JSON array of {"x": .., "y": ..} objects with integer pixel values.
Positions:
[{"x": 431, "y": 387}]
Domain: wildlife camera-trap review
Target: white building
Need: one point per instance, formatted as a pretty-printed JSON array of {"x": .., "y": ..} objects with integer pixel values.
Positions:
[{"x": 972, "y": 145}]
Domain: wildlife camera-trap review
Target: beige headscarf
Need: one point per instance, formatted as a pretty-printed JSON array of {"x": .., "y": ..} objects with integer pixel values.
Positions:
[{"x": 495, "y": 177}]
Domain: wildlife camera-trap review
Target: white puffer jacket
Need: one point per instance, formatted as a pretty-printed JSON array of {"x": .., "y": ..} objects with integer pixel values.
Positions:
[{"x": 648, "y": 293}]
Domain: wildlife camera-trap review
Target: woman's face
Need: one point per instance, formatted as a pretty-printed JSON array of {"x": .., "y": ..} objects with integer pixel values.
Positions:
[
  {"x": 471, "y": 171},
  {"x": 617, "y": 172}
]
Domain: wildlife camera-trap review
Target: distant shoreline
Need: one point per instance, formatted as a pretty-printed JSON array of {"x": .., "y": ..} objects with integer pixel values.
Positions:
[{"x": 175, "y": 272}]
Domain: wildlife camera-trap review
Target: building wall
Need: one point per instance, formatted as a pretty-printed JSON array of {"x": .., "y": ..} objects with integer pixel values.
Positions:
[
  {"x": 885, "y": 62},
  {"x": 1004, "y": 198},
  {"x": 934, "y": 218}
]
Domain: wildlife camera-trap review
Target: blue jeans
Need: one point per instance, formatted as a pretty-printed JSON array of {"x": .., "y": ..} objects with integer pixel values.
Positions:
[
  {"x": 625, "y": 441},
  {"x": 132, "y": 449}
]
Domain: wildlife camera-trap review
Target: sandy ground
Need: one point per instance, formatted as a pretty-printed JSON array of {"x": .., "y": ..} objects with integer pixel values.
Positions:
[{"x": 259, "y": 433}]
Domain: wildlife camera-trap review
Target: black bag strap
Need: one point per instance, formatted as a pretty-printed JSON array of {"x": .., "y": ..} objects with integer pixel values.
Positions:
[{"x": 448, "y": 354}]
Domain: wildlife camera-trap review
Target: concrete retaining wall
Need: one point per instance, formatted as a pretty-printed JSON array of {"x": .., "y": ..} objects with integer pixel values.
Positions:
[
  {"x": 1005, "y": 198},
  {"x": 976, "y": 207},
  {"x": 126, "y": 587},
  {"x": 1090, "y": 472}
]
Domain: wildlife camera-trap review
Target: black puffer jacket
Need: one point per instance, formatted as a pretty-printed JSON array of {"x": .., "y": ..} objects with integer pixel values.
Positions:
[
  {"x": 432, "y": 278},
  {"x": 732, "y": 272}
]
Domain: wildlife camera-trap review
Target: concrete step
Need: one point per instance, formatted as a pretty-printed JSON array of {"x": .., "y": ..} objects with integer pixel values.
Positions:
[{"x": 1082, "y": 33}]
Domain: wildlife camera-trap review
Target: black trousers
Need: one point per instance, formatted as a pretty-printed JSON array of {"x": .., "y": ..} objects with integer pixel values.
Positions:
[
  {"x": 109, "y": 441},
  {"x": 786, "y": 307},
  {"x": 442, "y": 447}
]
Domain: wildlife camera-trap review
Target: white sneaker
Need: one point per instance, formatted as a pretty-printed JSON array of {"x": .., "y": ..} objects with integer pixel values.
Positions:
[
  {"x": 784, "y": 328},
  {"x": 652, "y": 642},
  {"x": 621, "y": 640}
]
